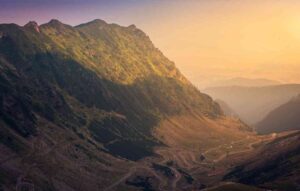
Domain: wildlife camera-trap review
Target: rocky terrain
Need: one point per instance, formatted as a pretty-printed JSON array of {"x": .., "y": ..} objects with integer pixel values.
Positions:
[{"x": 99, "y": 107}]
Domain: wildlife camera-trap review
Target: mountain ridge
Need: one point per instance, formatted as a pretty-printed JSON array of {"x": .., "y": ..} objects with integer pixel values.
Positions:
[
  {"x": 243, "y": 82},
  {"x": 283, "y": 118},
  {"x": 57, "y": 59}
]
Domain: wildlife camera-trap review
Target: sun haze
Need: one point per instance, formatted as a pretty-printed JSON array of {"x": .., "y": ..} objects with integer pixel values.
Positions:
[{"x": 219, "y": 40}]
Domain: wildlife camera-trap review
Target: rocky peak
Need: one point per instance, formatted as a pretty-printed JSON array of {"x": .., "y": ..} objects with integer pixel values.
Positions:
[
  {"x": 57, "y": 25},
  {"x": 132, "y": 27},
  {"x": 98, "y": 21},
  {"x": 94, "y": 23},
  {"x": 32, "y": 25},
  {"x": 55, "y": 22}
]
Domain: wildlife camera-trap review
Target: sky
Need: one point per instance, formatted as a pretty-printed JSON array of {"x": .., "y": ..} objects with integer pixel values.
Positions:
[{"x": 208, "y": 40}]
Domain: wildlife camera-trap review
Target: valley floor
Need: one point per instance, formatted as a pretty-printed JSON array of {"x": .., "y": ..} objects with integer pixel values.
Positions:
[
  {"x": 52, "y": 161},
  {"x": 182, "y": 169}
]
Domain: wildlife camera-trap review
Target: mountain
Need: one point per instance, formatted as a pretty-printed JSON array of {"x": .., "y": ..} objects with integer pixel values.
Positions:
[
  {"x": 81, "y": 107},
  {"x": 244, "y": 82},
  {"x": 112, "y": 69},
  {"x": 273, "y": 166},
  {"x": 253, "y": 104},
  {"x": 282, "y": 118}
]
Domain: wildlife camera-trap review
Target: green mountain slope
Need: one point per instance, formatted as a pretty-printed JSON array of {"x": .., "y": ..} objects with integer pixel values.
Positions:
[{"x": 60, "y": 73}]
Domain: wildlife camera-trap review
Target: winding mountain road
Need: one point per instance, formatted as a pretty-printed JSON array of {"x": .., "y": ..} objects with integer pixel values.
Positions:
[{"x": 190, "y": 164}]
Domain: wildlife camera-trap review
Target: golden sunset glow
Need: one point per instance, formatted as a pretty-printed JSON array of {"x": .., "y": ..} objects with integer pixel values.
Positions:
[{"x": 225, "y": 39}]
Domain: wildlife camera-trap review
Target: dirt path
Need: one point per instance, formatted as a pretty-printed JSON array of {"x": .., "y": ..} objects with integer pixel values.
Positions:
[
  {"x": 173, "y": 184},
  {"x": 176, "y": 179},
  {"x": 249, "y": 148},
  {"x": 131, "y": 172},
  {"x": 126, "y": 176},
  {"x": 190, "y": 162},
  {"x": 217, "y": 186}
]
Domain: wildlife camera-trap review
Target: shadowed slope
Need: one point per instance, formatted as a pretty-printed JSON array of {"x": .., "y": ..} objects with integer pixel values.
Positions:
[
  {"x": 283, "y": 118},
  {"x": 273, "y": 166}
]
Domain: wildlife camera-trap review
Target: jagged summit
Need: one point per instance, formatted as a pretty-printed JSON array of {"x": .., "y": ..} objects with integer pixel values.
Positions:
[
  {"x": 95, "y": 22},
  {"x": 132, "y": 26},
  {"x": 54, "y": 22},
  {"x": 98, "y": 21},
  {"x": 58, "y": 25},
  {"x": 32, "y": 25}
]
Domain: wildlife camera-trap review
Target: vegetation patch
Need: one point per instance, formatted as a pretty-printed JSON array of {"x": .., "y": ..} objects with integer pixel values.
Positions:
[
  {"x": 141, "y": 182},
  {"x": 131, "y": 149},
  {"x": 163, "y": 169}
]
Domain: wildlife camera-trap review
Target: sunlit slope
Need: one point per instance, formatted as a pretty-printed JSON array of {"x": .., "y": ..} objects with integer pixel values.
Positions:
[
  {"x": 200, "y": 133},
  {"x": 102, "y": 80}
]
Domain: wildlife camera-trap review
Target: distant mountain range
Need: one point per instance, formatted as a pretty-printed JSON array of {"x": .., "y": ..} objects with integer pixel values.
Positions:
[
  {"x": 283, "y": 118},
  {"x": 253, "y": 104},
  {"x": 244, "y": 82}
]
